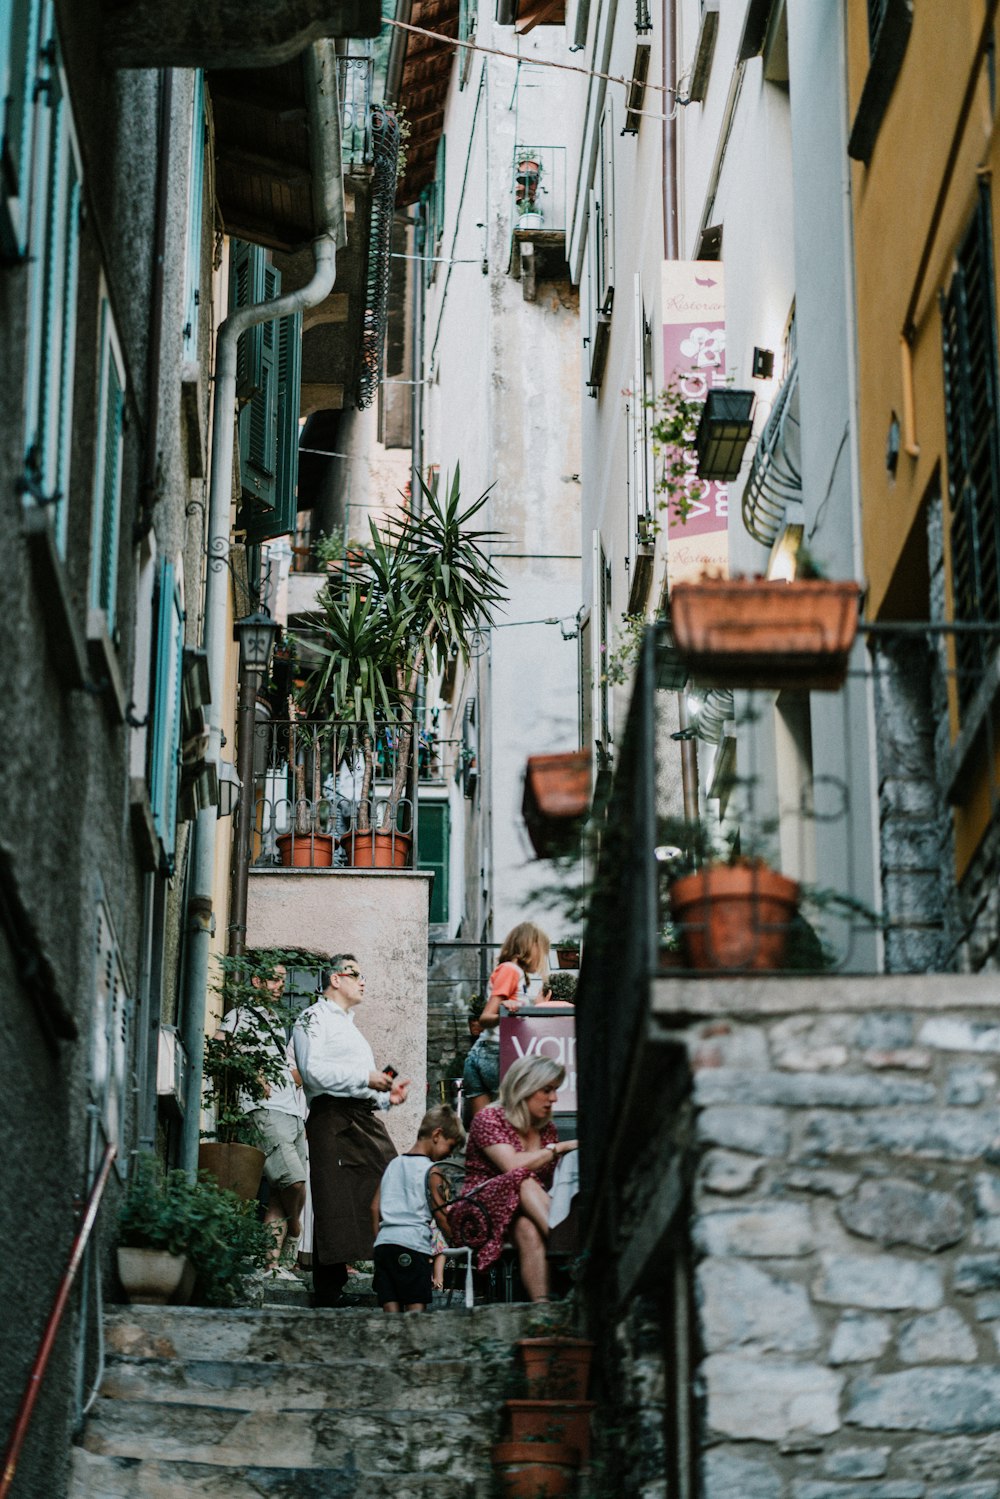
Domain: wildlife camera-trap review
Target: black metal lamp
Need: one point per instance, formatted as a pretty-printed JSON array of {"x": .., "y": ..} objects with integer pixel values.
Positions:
[
  {"x": 256, "y": 634},
  {"x": 723, "y": 433}
]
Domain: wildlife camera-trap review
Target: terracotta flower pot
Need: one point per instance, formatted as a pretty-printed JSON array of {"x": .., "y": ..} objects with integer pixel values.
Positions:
[
  {"x": 306, "y": 850},
  {"x": 745, "y": 632},
  {"x": 556, "y": 799},
  {"x": 152, "y": 1276},
  {"x": 556, "y": 1367},
  {"x": 568, "y": 957},
  {"x": 735, "y": 917},
  {"x": 535, "y": 1470},
  {"x": 377, "y": 850},
  {"x": 564, "y": 1421},
  {"x": 237, "y": 1168}
]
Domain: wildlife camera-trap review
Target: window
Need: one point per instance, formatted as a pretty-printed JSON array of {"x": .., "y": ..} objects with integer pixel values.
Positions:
[
  {"x": 54, "y": 239},
  {"x": 111, "y": 1047},
  {"x": 973, "y": 444},
  {"x": 269, "y": 383},
  {"x": 196, "y": 184},
  {"x": 18, "y": 67},
  {"x": 108, "y": 471},
  {"x": 467, "y": 18},
  {"x": 433, "y": 833},
  {"x": 434, "y": 208},
  {"x": 165, "y": 724}
]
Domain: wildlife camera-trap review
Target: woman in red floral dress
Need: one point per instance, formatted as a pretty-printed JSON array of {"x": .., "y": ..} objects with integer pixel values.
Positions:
[{"x": 510, "y": 1159}]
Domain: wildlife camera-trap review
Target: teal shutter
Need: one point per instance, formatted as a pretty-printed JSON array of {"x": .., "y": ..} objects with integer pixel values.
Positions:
[
  {"x": 53, "y": 252},
  {"x": 18, "y": 63},
  {"x": 246, "y": 286},
  {"x": 281, "y": 521},
  {"x": 108, "y": 478},
  {"x": 165, "y": 725},
  {"x": 433, "y": 834},
  {"x": 196, "y": 193}
]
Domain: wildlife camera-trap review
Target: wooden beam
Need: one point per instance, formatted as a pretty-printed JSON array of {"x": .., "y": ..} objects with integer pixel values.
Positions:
[
  {"x": 257, "y": 164},
  {"x": 544, "y": 12}
]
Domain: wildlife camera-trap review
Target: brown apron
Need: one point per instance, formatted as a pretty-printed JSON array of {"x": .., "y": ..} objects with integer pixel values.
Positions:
[{"x": 349, "y": 1148}]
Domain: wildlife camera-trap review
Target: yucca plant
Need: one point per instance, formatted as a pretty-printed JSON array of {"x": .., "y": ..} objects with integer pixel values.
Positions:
[{"x": 424, "y": 587}]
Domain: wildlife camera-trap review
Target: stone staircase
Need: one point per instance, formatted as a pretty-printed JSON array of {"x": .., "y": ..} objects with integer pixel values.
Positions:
[{"x": 297, "y": 1404}]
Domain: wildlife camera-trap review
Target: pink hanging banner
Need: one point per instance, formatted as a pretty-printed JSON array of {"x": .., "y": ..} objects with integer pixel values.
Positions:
[
  {"x": 543, "y": 1032},
  {"x": 694, "y": 358}
]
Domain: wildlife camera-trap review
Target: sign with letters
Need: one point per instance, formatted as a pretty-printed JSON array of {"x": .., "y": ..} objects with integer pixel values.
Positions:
[{"x": 543, "y": 1031}]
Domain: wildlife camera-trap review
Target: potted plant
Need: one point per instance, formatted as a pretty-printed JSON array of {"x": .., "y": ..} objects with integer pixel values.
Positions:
[
  {"x": 556, "y": 799},
  {"x": 239, "y": 1068},
  {"x": 426, "y": 587},
  {"x": 535, "y": 1470},
  {"x": 208, "y": 1240},
  {"x": 310, "y": 845},
  {"x": 550, "y": 1419},
  {"x": 555, "y": 1365},
  {"x": 568, "y": 953}
]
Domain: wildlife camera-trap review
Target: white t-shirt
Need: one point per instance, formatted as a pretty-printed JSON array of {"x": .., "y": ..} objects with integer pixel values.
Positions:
[
  {"x": 404, "y": 1212},
  {"x": 268, "y": 1032},
  {"x": 332, "y": 1055}
]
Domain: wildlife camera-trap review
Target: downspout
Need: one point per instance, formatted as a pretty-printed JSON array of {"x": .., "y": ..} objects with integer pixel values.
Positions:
[
  {"x": 417, "y": 389},
  {"x": 326, "y": 166}
]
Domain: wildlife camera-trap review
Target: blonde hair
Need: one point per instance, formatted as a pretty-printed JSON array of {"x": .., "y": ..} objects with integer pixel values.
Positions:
[
  {"x": 443, "y": 1117},
  {"x": 522, "y": 1078},
  {"x": 522, "y": 943}
]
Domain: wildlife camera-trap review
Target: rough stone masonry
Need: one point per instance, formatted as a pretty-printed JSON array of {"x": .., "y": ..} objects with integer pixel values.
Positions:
[{"x": 846, "y": 1227}]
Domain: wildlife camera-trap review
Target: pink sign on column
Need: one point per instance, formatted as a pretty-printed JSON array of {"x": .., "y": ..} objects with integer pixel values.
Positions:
[
  {"x": 694, "y": 357},
  {"x": 546, "y": 1033}
]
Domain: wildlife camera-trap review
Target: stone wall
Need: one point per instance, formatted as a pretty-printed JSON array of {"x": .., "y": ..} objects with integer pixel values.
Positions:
[{"x": 840, "y": 1197}]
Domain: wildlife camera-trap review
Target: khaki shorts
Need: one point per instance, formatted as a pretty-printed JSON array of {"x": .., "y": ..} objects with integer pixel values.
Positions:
[{"x": 283, "y": 1138}]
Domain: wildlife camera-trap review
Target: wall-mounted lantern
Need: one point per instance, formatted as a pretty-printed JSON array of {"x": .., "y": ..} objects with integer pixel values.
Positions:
[{"x": 723, "y": 433}]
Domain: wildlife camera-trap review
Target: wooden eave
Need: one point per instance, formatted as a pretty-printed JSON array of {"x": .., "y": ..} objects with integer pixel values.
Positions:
[{"x": 423, "y": 90}]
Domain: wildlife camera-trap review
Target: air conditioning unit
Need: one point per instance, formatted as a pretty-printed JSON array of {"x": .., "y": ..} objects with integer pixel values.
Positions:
[{"x": 171, "y": 1069}]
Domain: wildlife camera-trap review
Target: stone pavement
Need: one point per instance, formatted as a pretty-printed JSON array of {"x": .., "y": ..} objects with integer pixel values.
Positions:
[{"x": 297, "y": 1404}]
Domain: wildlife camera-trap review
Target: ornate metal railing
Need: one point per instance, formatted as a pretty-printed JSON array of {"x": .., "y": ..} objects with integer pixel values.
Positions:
[
  {"x": 356, "y": 76},
  {"x": 337, "y": 795},
  {"x": 385, "y": 137},
  {"x": 775, "y": 480}
]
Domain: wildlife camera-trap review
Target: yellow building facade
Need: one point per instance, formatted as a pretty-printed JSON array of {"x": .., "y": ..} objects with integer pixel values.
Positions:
[{"x": 922, "y": 100}]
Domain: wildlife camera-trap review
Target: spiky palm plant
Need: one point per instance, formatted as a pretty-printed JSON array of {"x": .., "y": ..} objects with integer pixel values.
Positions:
[{"x": 425, "y": 586}]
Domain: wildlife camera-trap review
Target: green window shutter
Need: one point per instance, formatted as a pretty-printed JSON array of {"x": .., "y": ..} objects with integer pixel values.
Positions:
[
  {"x": 196, "y": 193},
  {"x": 258, "y": 418},
  {"x": 972, "y": 394},
  {"x": 19, "y": 20},
  {"x": 165, "y": 725},
  {"x": 433, "y": 832},
  {"x": 246, "y": 286},
  {"x": 282, "y": 519},
  {"x": 108, "y": 479},
  {"x": 53, "y": 256}
]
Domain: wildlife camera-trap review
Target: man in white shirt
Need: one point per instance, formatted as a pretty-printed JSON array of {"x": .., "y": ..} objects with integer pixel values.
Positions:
[{"x": 349, "y": 1146}]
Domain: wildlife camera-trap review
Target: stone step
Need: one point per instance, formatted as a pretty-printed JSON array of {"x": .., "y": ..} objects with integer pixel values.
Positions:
[
  {"x": 366, "y": 1384},
  {"x": 277, "y": 1334},
  {"x": 454, "y": 1443},
  {"x": 97, "y": 1477}
]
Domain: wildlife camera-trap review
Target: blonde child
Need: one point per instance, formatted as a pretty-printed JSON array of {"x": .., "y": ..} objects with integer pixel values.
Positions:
[{"x": 402, "y": 1218}]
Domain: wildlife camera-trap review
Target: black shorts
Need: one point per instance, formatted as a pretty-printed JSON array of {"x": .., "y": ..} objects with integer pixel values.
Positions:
[{"x": 402, "y": 1275}]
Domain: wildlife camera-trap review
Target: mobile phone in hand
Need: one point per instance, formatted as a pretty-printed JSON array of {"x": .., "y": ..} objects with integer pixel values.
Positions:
[{"x": 390, "y": 1073}]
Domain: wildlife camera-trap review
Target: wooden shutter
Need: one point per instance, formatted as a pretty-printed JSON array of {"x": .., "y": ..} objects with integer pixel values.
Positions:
[
  {"x": 606, "y": 198},
  {"x": 168, "y": 652},
  {"x": 108, "y": 474},
  {"x": 433, "y": 832},
  {"x": 196, "y": 188},
  {"x": 972, "y": 391},
  {"x": 18, "y": 65},
  {"x": 281, "y": 521},
  {"x": 111, "y": 1055},
  {"x": 258, "y": 419},
  {"x": 246, "y": 286}
]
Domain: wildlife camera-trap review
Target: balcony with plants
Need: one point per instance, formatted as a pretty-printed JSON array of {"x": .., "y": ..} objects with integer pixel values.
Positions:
[{"x": 538, "y": 214}]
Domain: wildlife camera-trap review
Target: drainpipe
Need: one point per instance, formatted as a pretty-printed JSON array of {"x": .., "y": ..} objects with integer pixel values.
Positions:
[
  {"x": 417, "y": 395},
  {"x": 328, "y": 206}
]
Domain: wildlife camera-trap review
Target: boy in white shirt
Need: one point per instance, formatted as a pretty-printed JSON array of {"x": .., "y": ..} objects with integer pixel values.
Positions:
[{"x": 402, "y": 1216}]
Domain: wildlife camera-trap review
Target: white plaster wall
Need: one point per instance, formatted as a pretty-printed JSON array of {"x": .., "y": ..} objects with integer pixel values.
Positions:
[
  {"x": 381, "y": 916},
  {"x": 503, "y": 402}
]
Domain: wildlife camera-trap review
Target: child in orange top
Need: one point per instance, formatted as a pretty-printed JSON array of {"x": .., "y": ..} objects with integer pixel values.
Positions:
[{"x": 521, "y": 976}]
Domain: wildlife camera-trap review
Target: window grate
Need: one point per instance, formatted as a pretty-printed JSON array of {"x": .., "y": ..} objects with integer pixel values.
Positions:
[{"x": 973, "y": 444}]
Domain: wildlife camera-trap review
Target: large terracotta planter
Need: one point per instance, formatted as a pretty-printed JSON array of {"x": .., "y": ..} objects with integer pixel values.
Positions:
[
  {"x": 152, "y": 1277},
  {"x": 568, "y": 957},
  {"x": 556, "y": 799},
  {"x": 556, "y": 1368},
  {"x": 377, "y": 850},
  {"x": 535, "y": 1470},
  {"x": 237, "y": 1168},
  {"x": 735, "y": 917},
  {"x": 745, "y": 632},
  {"x": 306, "y": 850},
  {"x": 564, "y": 1421}
]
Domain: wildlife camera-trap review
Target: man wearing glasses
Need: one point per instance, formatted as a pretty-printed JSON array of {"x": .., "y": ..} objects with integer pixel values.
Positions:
[{"x": 349, "y": 1146}]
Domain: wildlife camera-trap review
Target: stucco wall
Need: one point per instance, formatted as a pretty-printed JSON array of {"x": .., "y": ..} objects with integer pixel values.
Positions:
[{"x": 381, "y": 916}]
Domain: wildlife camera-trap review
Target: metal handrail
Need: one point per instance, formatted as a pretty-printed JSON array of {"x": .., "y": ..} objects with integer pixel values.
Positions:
[
  {"x": 38, "y": 1368},
  {"x": 775, "y": 479}
]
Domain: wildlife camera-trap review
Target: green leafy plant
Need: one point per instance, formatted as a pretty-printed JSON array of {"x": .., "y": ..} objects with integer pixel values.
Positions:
[
  {"x": 621, "y": 661},
  {"x": 672, "y": 431},
  {"x": 330, "y": 548},
  {"x": 240, "y": 1066},
  {"x": 424, "y": 587},
  {"x": 217, "y": 1232}
]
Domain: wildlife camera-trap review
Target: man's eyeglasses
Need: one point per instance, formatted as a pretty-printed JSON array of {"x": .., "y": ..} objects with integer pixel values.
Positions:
[{"x": 350, "y": 973}]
